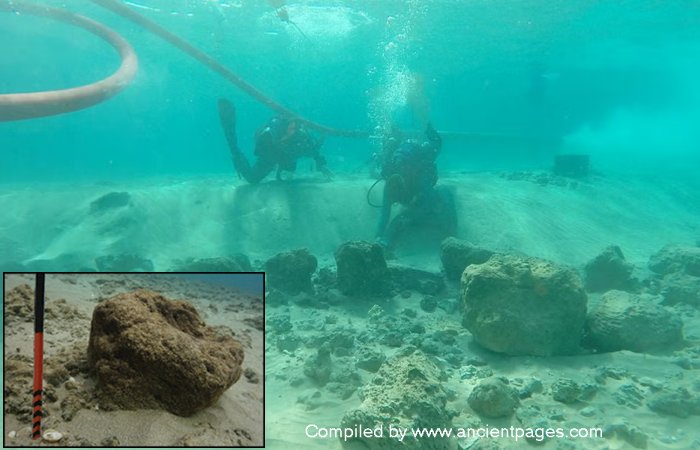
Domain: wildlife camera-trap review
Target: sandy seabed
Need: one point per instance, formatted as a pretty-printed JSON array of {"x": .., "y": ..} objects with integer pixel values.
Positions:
[{"x": 567, "y": 222}]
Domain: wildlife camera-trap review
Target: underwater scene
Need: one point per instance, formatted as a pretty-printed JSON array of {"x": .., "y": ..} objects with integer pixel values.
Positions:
[{"x": 478, "y": 220}]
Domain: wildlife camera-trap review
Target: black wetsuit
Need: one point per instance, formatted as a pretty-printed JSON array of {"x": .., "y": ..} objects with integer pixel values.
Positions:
[
  {"x": 278, "y": 144},
  {"x": 411, "y": 174}
]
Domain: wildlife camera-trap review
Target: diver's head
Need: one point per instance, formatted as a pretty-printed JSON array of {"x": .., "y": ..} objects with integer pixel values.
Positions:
[{"x": 284, "y": 127}]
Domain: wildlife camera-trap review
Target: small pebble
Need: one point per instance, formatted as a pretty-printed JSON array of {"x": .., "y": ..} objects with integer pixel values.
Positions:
[
  {"x": 588, "y": 411},
  {"x": 52, "y": 436},
  {"x": 12, "y": 434}
]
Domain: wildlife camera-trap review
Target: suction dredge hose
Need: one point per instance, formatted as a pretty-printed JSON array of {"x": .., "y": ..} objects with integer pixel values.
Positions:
[
  {"x": 39, "y": 104},
  {"x": 217, "y": 67},
  {"x": 48, "y": 103}
]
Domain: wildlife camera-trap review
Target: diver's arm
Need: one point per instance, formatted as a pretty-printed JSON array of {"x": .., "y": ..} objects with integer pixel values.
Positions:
[{"x": 313, "y": 146}]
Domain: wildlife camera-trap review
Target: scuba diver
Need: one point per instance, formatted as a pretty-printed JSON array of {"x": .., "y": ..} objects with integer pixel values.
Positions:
[
  {"x": 278, "y": 144},
  {"x": 410, "y": 173}
]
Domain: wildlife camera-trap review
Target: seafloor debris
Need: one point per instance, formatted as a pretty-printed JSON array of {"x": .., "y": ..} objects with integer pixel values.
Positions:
[{"x": 150, "y": 352}]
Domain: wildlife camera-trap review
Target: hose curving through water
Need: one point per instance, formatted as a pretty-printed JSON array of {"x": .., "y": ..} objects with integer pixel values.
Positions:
[
  {"x": 32, "y": 105},
  {"x": 39, "y": 104},
  {"x": 127, "y": 13}
]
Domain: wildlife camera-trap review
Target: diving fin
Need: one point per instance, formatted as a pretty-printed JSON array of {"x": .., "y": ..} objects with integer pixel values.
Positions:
[{"x": 227, "y": 116}]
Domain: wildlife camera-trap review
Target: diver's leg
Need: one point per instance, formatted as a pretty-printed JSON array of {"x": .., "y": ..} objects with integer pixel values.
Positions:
[
  {"x": 258, "y": 171},
  {"x": 419, "y": 212},
  {"x": 398, "y": 225},
  {"x": 446, "y": 211},
  {"x": 254, "y": 173},
  {"x": 227, "y": 117},
  {"x": 434, "y": 209}
]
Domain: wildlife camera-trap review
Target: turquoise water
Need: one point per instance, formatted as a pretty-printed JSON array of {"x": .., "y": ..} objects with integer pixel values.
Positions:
[
  {"x": 144, "y": 181},
  {"x": 616, "y": 78}
]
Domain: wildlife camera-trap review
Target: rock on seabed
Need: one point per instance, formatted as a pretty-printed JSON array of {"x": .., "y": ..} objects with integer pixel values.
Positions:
[{"x": 149, "y": 352}]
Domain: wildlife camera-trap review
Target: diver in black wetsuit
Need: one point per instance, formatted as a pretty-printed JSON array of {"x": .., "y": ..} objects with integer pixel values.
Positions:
[
  {"x": 410, "y": 174},
  {"x": 278, "y": 144}
]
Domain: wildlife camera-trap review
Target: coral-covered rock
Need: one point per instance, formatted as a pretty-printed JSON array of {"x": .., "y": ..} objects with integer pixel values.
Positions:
[
  {"x": 290, "y": 272},
  {"x": 406, "y": 393},
  {"x": 456, "y": 255},
  {"x": 523, "y": 306},
  {"x": 362, "y": 269},
  {"x": 319, "y": 366},
  {"x": 608, "y": 271},
  {"x": 566, "y": 390},
  {"x": 624, "y": 321},
  {"x": 493, "y": 398},
  {"x": 672, "y": 258},
  {"x": 150, "y": 352},
  {"x": 678, "y": 402},
  {"x": 681, "y": 288}
]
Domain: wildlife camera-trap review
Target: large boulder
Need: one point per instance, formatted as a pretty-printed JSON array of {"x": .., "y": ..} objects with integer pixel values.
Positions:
[
  {"x": 673, "y": 259},
  {"x": 149, "y": 352},
  {"x": 405, "y": 393},
  {"x": 523, "y": 306},
  {"x": 609, "y": 270},
  {"x": 291, "y": 272},
  {"x": 362, "y": 269},
  {"x": 456, "y": 255},
  {"x": 624, "y": 321}
]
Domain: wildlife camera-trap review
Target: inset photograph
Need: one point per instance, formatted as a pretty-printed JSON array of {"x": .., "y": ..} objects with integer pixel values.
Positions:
[{"x": 133, "y": 360}]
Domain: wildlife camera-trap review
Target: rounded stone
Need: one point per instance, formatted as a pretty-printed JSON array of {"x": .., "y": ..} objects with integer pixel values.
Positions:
[
  {"x": 493, "y": 398},
  {"x": 149, "y": 352}
]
